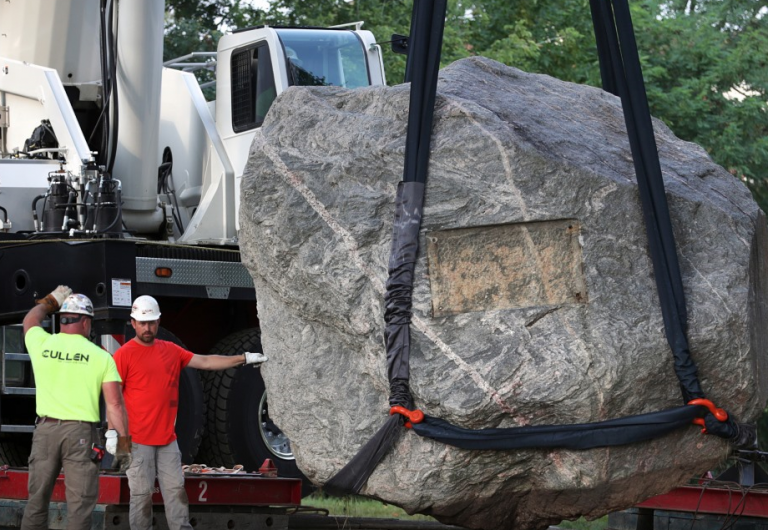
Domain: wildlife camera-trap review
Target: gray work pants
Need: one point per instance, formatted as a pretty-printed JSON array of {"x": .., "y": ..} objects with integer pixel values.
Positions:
[
  {"x": 56, "y": 445},
  {"x": 163, "y": 462}
]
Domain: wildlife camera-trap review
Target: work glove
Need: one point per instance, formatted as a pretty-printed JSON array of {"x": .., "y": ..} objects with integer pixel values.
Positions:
[
  {"x": 53, "y": 300},
  {"x": 111, "y": 445},
  {"x": 255, "y": 358},
  {"x": 122, "y": 454}
]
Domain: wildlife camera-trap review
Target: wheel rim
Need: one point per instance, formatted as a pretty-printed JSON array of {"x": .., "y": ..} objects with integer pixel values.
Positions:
[{"x": 274, "y": 439}]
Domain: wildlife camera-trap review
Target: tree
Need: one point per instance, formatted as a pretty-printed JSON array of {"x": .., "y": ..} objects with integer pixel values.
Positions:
[
  {"x": 197, "y": 25},
  {"x": 706, "y": 69},
  {"x": 554, "y": 38}
]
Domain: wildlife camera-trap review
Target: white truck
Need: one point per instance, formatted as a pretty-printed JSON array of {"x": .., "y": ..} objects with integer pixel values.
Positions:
[{"x": 118, "y": 178}]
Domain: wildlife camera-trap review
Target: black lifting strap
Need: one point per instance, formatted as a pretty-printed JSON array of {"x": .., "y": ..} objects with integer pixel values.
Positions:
[
  {"x": 620, "y": 70},
  {"x": 621, "y": 431},
  {"x": 621, "y": 74},
  {"x": 425, "y": 42}
]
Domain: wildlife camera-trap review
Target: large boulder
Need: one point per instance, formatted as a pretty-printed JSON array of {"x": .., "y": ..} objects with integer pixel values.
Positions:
[{"x": 534, "y": 302}]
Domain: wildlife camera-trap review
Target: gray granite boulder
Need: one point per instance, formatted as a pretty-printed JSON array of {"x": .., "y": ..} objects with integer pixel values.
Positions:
[{"x": 534, "y": 300}]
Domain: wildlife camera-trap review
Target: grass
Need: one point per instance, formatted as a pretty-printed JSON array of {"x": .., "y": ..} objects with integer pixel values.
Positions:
[
  {"x": 583, "y": 524},
  {"x": 352, "y": 506}
]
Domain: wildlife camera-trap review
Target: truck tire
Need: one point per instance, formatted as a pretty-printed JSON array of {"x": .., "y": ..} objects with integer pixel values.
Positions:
[
  {"x": 190, "y": 417},
  {"x": 238, "y": 427},
  {"x": 15, "y": 449}
]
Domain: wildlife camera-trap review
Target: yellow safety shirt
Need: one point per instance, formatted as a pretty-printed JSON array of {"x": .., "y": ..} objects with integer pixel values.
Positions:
[{"x": 69, "y": 371}]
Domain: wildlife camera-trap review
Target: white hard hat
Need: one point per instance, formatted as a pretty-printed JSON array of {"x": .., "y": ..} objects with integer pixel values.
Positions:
[
  {"x": 77, "y": 304},
  {"x": 145, "y": 308}
]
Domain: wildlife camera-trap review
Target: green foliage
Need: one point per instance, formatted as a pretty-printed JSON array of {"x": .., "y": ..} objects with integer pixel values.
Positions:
[
  {"x": 555, "y": 38},
  {"x": 583, "y": 524},
  {"x": 354, "y": 506},
  {"x": 706, "y": 74}
]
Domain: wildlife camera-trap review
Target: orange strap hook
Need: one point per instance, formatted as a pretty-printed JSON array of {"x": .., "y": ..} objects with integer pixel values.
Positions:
[
  {"x": 718, "y": 413},
  {"x": 413, "y": 416}
]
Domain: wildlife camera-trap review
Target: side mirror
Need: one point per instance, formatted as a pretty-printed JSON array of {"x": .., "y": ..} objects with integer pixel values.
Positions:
[{"x": 399, "y": 44}]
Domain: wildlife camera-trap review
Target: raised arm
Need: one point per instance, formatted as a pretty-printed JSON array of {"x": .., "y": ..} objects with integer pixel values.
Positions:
[
  {"x": 35, "y": 317},
  {"x": 50, "y": 303}
]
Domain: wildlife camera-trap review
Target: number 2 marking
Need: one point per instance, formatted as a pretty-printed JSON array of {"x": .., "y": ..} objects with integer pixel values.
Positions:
[{"x": 203, "y": 486}]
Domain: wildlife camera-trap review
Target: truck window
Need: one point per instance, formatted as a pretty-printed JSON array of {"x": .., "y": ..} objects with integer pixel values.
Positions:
[
  {"x": 253, "y": 86},
  {"x": 324, "y": 58}
]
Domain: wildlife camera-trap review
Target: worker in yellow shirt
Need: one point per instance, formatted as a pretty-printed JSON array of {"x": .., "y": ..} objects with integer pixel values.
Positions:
[{"x": 70, "y": 374}]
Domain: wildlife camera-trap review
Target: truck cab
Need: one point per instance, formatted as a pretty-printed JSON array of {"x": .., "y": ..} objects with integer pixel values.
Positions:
[{"x": 253, "y": 66}]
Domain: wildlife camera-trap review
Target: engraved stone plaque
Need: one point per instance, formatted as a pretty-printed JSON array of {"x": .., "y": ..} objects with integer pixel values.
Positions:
[{"x": 508, "y": 266}]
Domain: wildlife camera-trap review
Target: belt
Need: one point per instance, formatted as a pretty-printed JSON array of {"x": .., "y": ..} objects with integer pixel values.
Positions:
[{"x": 48, "y": 419}]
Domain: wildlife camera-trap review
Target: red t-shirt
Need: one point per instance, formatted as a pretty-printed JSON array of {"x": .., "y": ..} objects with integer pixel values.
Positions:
[{"x": 150, "y": 377}]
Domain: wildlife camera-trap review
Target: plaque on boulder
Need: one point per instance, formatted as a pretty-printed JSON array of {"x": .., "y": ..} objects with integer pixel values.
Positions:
[{"x": 534, "y": 296}]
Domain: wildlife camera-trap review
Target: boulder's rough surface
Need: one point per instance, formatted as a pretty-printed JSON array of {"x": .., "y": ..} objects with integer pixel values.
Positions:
[{"x": 534, "y": 298}]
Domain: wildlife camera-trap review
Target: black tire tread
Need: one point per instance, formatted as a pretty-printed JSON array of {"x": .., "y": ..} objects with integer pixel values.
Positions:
[
  {"x": 215, "y": 446},
  {"x": 15, "y": 450}
]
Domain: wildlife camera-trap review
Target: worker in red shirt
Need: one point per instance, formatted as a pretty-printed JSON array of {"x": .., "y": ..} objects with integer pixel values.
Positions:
[{"x": 150, "y": 369}]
